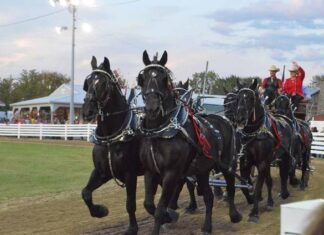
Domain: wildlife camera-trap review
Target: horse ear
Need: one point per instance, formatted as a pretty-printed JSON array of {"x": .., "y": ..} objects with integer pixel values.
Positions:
[
  {"x": 94, "y": 62},
  {"x": 106, "y": 64},
  {"x": 186, "y": 84},
  {"x": 146, "y": 58},
  {"x": 254, "y": 85},
  {"x": 85, "y": 85},
  {"x": 164, "y": 58},
  {"x": 238, "y": 84}
]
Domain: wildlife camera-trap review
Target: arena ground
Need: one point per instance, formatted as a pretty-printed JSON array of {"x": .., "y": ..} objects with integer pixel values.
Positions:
[{"x": 65, "y": 213}]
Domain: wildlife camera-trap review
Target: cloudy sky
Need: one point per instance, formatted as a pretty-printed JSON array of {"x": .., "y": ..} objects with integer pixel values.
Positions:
[{"x": 240, "y": 37}]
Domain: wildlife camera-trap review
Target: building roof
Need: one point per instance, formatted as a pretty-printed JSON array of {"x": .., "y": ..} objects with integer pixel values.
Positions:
[
  {"x": 60, "y": 96},
  {"x": 310, "y": 91}
]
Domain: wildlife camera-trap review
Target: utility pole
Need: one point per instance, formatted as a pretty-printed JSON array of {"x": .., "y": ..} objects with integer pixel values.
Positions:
[
  {"x": 73, "y": 9},
  {"x": 205, "y": 77}
]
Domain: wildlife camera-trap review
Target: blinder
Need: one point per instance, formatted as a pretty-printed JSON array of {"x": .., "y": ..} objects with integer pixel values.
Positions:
[{"x": 153, "y": 73}]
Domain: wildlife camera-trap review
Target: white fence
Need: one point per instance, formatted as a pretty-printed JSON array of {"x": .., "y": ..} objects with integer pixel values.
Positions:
[
  {"x": 318, "y": 143},
  {"x": 84, "y": 130},
  {"x": 47, "y": 130}
]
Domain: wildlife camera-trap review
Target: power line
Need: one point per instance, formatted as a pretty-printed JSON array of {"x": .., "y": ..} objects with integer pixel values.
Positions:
[
  {"x": 32, "y": 19},
  {"x": 123, "y": 3}
]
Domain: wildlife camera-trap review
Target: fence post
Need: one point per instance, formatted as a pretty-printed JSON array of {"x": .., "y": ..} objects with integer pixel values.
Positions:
[
  {"x": 41, "y": 131},
  {"x": 88, "y": 132},
  {"x": 18, "y": 134},
  {"x": 65, "y": 132}
]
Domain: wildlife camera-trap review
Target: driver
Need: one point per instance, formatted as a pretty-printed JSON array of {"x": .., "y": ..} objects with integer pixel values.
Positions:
[{"x": 272, "y": 83}]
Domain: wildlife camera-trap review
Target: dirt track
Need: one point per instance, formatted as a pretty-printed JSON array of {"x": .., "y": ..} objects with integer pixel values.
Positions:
[{"x": 66, "y": 214}]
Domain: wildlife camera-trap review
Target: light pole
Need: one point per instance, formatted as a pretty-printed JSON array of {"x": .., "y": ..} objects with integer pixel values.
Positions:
[
  {"x": 73, "y": 9},
  {"x": 71, "y": 4}
]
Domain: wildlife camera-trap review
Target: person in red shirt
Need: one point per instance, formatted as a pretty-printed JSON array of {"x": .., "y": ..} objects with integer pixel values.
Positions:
[{"x": 293, "y": 86}]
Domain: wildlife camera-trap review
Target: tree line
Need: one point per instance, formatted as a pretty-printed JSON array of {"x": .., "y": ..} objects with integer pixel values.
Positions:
[
  {"x": 32, "y": 84},
  {"x": 29, "y": 84}
]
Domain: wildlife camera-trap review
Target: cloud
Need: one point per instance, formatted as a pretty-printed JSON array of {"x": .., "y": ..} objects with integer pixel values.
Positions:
[{"x": 16, "y": 57}]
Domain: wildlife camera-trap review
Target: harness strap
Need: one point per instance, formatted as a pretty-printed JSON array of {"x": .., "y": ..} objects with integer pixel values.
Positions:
[
  {"x": 119, "y": 183},
  {"x": 274, "y": 127},
  {"x": 154, "y": 160}
]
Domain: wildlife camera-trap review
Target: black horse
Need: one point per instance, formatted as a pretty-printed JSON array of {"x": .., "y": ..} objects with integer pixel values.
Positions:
[
  {"x": 304, "y": 136},
  {"x": 169, "y": 145},
  {"x": 264, "y": 139},
  {"x": 116, "y": 150},
  {"x": 269, "y": 96}
]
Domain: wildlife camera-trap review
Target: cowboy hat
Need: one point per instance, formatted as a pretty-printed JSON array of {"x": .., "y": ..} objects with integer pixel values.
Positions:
[
  {"x": 293, "y": 68},
  {"x": 274, "y": 68}
]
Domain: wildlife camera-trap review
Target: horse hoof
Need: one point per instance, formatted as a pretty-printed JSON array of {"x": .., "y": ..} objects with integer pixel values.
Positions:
[
  {"x": 99, "y": 211},
  {"x": 253, "y": 219},
  {"x": 191, "y": 209},
  {"x": 236, "y": 217},
  {"x": 131, "y": 231},
  {"x": 205, "y": 233},
  {"x": 284, "y": 195},
  {"x": 173, "y": 215},
  {"x": 302, "y": 187},
  {"x": 270, "y": 205},
  {"x": 294, "y": 182}
]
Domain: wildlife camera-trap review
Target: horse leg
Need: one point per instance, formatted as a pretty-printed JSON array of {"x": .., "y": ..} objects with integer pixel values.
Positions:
[
  {"x": 268, "y": 181},
  {"x": 254, "y": 214},
  {"x": 193, "y": 203},
  {"x": 203, "y": 184},
  {"x": 292, "y": 172},
  {"x": 95, "y": 181},
  {"x": 305, "y": 169},
  {"x": 245, "y": 171},
  {"x": 131, "y": 182},
  {"x": 150, "y": 190},
  {"x": 284, "y": 171},
  {"x": 161, "y": 215},
  {"x": 230, "y": 188},
  {"x": 174, "y": 200}
]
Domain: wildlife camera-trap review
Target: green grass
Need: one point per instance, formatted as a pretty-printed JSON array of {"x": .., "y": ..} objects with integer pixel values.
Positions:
[{"x": 38, "y": 168}]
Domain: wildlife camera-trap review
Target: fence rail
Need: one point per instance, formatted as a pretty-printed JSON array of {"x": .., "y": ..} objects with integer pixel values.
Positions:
[
  {"x": 84, "y": 130},
  {"x": 318, "y": 143},
  {"x": 47, "y": 130}
]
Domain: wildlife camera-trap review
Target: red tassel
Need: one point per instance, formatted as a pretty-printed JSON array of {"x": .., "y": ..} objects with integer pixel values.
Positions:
[{"x": 254, "y": 115}]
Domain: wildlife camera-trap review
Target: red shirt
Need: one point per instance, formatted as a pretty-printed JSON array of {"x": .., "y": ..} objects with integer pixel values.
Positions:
[{"x": 295, "y": 86}]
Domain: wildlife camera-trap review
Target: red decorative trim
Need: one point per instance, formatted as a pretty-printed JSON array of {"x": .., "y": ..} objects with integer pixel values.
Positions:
[
  {"x": 274, "y": 127},
  {"x": 202, "y": 140}
]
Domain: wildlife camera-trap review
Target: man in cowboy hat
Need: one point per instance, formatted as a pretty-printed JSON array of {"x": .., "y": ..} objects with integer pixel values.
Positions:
[
  {"x": 272, "y": 83},
  {"x": 294, "y": 85}
]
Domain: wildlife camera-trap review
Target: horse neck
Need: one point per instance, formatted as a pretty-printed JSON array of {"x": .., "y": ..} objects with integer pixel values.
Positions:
[
  {"x": 168, "y": 104},
  {"x": 112, "y": 123},
  {"x": 257, "y": 117}
]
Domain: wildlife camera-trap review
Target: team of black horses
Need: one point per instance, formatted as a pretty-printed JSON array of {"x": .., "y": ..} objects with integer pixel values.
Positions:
[{"x": 169, "y": 140}]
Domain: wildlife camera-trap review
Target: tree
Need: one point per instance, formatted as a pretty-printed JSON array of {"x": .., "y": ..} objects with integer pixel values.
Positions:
[
  {"x": 7, "y": 87},
  {"x": 29, "y": 85},
  {"x": 317, "y": 80},
  {"x": 120, "y": 78},
  {"x": 197, "y": 82}
]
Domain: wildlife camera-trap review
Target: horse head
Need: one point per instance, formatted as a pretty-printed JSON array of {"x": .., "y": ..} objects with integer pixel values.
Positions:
[
  {"x": 282, "y": 105},
  {"x": 155, "y": 81},
  {"x": 269, "y": 96},
  {"x": 100, "y": 86},
  {"x": 247, "y": 102},
  {"x": 230, "y": 105}
]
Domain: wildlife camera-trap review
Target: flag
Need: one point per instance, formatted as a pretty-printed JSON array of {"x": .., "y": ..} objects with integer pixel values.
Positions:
[{"x": 283, "y": 74}]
